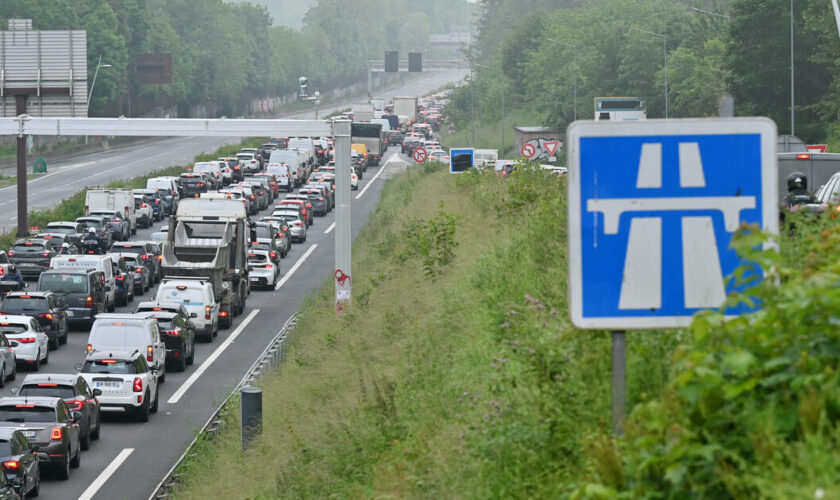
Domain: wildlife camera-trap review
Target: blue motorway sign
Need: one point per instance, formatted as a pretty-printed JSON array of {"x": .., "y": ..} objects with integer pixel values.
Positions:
[
  {"x": 461, "y": 160},
  {"x": 653, "y": 206}
]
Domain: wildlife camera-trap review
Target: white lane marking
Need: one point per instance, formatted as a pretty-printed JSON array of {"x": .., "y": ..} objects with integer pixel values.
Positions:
[
  {"x": 209, "y": 361},
  {"x": 106, "y": 474},
  {"x": 329, "y": 229},
  {"x": 381, "y": 169},
  {"x": 295, "y": 267}
]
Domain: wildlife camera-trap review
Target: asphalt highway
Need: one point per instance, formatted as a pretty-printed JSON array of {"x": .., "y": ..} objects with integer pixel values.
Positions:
[{"x": 131, "y": 458}]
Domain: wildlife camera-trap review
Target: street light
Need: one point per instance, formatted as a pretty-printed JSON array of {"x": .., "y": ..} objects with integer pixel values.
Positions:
[
  {"x": 710, "y": 13},
  {"x": 665, "y": 56},
  {"x": 98, "y": 65},
  {"x": 574, "y": 69},
  {"x": 502, "y": 149}
]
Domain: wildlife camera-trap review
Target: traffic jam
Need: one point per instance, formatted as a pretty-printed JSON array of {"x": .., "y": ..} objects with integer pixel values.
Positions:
[{"x": 146, "y": 274}]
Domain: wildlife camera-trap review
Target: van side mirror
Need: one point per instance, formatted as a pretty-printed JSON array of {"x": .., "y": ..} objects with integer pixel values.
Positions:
[
  {"x": 15, "y": 390},
  {"x": 97, "y": 392},
  {"x": 79, "y": 367},
  {"x": 193, "y": 315}
]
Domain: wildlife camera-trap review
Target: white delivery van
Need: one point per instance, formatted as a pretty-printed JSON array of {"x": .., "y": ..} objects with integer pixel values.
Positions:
[
  {"x": 305, "y": 144},
  {"x": 282, "y": 173},
  {"x": 120, "y": 201},
  {"x": 167, "y": 183},
  {"x": 198, "y": 299},
  {"x": 96, "y": 262},
  {"x": 386, "y": 125},
  {"x": 129, "y": 332},
  {"x": 295, "y": 159},
  {"x": 485, "y": 157}
]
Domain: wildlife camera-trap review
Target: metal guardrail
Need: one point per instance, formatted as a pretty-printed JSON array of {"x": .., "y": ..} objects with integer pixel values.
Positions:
[{"x": 270, "y": 359}]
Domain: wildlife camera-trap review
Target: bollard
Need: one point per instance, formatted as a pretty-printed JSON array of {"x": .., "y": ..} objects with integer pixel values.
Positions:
[{"x": 251, "y": 414}]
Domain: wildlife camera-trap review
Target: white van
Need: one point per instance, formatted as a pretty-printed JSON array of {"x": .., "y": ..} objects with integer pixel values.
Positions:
[
  {"x": 129, "y": 332},
  {"x": 120, "y": 201},
  {"x": 485, "y": 157},
  {"x": 198, "y": 299},
  {"x": 305, "y": 144},
  {"x": 295, "y": 159},
  {"x": 96, "y": 262},
  {"x": 167, "y": 183},
  {"x": 282, "y": 173}
]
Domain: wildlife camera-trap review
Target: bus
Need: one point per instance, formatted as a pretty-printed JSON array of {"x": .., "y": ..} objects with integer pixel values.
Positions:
[{"x": 620, "y": 108}]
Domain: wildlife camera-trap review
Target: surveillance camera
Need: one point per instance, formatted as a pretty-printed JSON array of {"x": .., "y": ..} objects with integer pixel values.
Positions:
[
  {"x": 303, "y": 81},
  {"x": 317, "y": 94}
]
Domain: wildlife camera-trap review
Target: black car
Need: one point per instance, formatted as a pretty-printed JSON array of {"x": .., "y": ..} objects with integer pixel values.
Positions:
[
  {"x": 20, "y": 464},
  {"x": 395, "y": 137},
  {"x": 124, "y": 279},
  {"x": 193, "y": 185},
  {"x": 178, "y": 334},
  {"x": 32, "y": 256},
  {"x": 74, "y": 231},
  {"x": 75, "y": 392},
  {"x": 101, "y": 225},
  {"x": 51, "y": 428},
  {"x": 82, "y": 294},
  {"x": 45, "y": 306},
  {"x": 145, "y": 253}
]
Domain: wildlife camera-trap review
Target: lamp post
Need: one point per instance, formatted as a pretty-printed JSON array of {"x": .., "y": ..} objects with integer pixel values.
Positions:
[
  {"x": 98, "y": 65},
  {"x": 665, "y": 57},
  {"x": 502, "y": 73},
  {"x": 724, "y": 16},
  {"x": 574, "y": 77}
]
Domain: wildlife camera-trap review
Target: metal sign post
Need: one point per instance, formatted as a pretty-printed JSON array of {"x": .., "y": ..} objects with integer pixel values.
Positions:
[
  {"x": 343, "y": 212},
  {"x": 653, "y": 207}
]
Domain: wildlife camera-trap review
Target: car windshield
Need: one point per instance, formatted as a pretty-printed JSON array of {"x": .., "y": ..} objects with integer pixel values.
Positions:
[
  {"x": 263, "y": 232},
  {"x": 63, "y": 282},
  {"x": 13, "y": 328},
  {"x": 165, "y": 323},
  {"x": 26, "y": 413},
  {"x": 28, "y": 247},
  {"x": 287, "y": 216},
  {"x": 48, "y": 390},
  {"x": 23, "y": 304},
  {"x": 95, "y": 223},
  {"x": 60, "y": 230},
  {"x": 157, "y": 236},
  {"x": 115, "y": 366},
  {"x": 256, "y": 246},
  {"x": 256, "y": 258}
]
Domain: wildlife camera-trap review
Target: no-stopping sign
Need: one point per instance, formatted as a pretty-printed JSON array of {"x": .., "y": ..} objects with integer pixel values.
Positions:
[
  {"x": 528, "y": 151},
  {"x": 420, "y": 155}
]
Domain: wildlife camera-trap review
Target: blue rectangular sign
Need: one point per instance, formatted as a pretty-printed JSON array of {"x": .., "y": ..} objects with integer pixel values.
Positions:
[
  {"x": 461, "y": 160},
  {"x": 653, "y": 206}
]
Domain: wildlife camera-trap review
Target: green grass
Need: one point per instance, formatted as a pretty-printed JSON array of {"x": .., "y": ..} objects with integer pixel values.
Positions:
[
  {"x": 444, "y": 380},
  {"x": 489, "y": 135}
]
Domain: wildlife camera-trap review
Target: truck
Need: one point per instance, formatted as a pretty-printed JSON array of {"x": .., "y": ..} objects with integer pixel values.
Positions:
[
  {"x": 116, "y": 201},
  {"x": 369, "y": 134},
  {"x": 208, "y": 241},
  {"x": 406, "y": 106},
  {"x": 362, "y": 112}
]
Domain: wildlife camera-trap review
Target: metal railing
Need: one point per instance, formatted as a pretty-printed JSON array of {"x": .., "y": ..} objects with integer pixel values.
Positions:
[{"x": 270, "y": 359}]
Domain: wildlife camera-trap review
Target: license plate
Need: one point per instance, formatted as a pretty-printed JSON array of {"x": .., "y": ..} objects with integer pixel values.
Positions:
[
  {"x": 69, "y": 314},
  {"x": 253, "y": 280},
  {"x": 29, "y": 434},
  {"x": 109, "y": 385},
  {"x": 27, "y": 264}
]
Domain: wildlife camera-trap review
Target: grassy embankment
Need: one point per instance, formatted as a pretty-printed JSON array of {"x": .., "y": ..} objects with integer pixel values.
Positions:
[
  {"x": 488, "y": 135},
  {"x": 454, "y": 374},
  {"x": 74, "y": 206}
]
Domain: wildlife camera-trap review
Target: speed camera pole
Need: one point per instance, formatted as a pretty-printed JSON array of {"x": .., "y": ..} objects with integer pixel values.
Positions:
[{"x": 343, "y": 235}]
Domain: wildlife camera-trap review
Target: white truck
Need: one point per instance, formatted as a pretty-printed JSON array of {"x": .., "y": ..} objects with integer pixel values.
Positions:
[
  {"x": 406, "y": 106},
  {"x": 362, "y": 112},
  {"x": 119, "y": 201}
]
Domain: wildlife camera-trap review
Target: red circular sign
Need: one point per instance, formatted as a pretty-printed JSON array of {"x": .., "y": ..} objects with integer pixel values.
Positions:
[
  {"x": 528, "y": 150},
  {"x": 420, "y": 155}
]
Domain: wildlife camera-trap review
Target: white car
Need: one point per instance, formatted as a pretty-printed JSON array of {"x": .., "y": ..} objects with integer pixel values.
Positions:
[
  {"x": 127, "y": 382},
  {"x": 437, "y": 155},
  {"x": 27, "y": 339},
  {"x": 262, "y": 271},
  {"x": 145, "y": 215},
  {"x": 354, "y": 180},
  {"x": 198, "y": 298}
]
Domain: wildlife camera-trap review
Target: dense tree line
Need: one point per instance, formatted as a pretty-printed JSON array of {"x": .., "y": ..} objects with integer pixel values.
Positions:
[
  {"x": 744, "y": 51},
  {"x": 225, "y": 53}
]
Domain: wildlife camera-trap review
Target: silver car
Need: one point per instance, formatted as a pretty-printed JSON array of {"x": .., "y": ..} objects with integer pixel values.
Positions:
[
  {"x": 296, "y": 225},
  {"x": 27, "y": 339}
]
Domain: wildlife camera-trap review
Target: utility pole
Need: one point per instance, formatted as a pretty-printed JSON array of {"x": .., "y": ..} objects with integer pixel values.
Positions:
[
  {"x": 343, "y": 215},
  {"x": 574, "y": 70}
]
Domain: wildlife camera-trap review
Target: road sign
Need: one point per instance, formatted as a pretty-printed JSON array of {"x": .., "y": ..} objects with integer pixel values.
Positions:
[
  {"x": 551, "y": 147},
  {"x": 420, "y": 155},
  {"x": 817, "y": 148},
  {"x": 653, "y": 206},
  {"x": 461, "y": 160},
  {"x": 528, "y": 150}
]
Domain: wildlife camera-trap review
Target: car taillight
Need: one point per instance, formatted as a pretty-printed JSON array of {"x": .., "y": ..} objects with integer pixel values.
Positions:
[
  {"x": 11, "y": 465},
  {"x": 119, "y": 278},
  {"x": 321, "y": 199},
  {"x": 206, "y": 312},
  {"x": 145, "y": 256},
  {"x": 25, "y": 340},
  {"x": 157, "y": 202},
  {"x": 56, "y": 434},
  {"x": 200, "y": 184},
  {"x": 76, "y": 405},
  {"x": 48, "y": 316},
  {"x": 297, "y": 223},
  {"x": 138, "y": 384},
  {"x": 267, "y": 266},
  {"x": 150, "y": 353},
  {"x": 89, "y": 301},
  {"x": 45, "y": 254},
  {"x": 143, "y": 205},
  {"x": 223, "y": 314},
  {"x": 253, "y": 197},
  {"x": 176, "y": 331},
  {"x": 273, "y": 255}
]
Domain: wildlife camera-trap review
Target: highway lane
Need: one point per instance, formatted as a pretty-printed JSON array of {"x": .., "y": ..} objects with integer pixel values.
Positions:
[
  {"x": 130, "y": 458},
  {"x": 68, "y": 177}
]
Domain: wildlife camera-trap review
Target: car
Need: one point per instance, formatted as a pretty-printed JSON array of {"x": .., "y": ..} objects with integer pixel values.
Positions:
[
  {"x": 264, "y": 151},
  {"x": 395, "y": 137},
  {"x": 46, "y": 307},
  {"x": 145, "y": 215},
  {"x": 153, "y": 198},
  {"x": 297, "y": 226},
  {"x": 156, "y": 250},
  {"x": 178, "y": 334},
  {"x": 314, "y": 203},
  {"x": 143, "y": 280},
  {"x": 31, "y": 256},
  {"x": 100, "y": 224},
  {"x": 158, "y": 236},
  {"x": 192, "y": 185},
  {"x": 127, "y": 332},
  {"x": 124, "y": 279},
  {"x": 20, "y": 464},
  {"x": 50, "y": 426},
  {"x": 260, "y": 192},
  {"x": 262, "y": 271},
  {"x": 249, "y": 161},
  {"x": 437, "y": 155},
  {"x": 236, "y": 172},
  {"x": 73, "y": 230},
  {"x": 127, "y": 383},
  {"x": 75, "y": 392},
  {"x": 272, "y": 182},
  {"x": 268, "y": 245},
  {"x": 145, "y": 253},
  {"x": 27, "y": 338},
  {"x": 300, "y": 205},
  {"x": 199, "y": 299},
  {"x": 80, "y": 294},
  {"x": 120, "y": 227}
]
